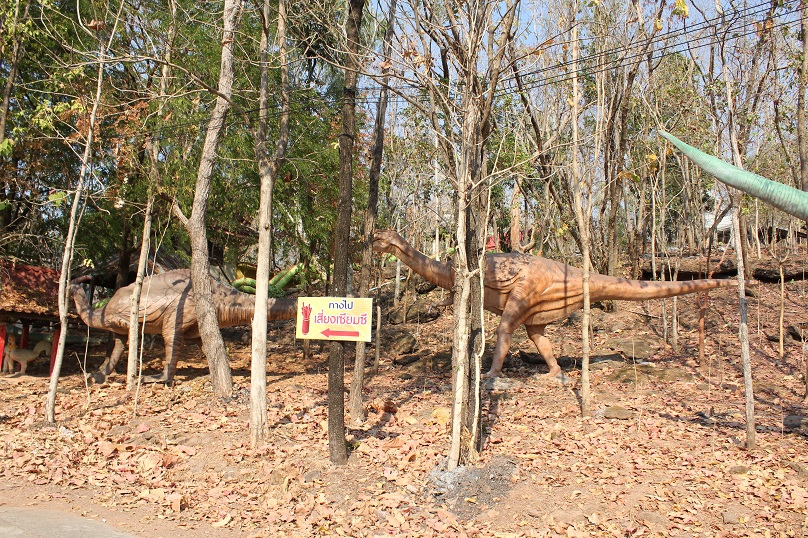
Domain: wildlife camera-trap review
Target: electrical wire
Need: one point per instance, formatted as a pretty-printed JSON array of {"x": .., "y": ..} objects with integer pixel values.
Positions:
[
  {"x": 684, "y": 31},
  {"x": 621, "y": 55},
  {"x": 655, "y": 55}
]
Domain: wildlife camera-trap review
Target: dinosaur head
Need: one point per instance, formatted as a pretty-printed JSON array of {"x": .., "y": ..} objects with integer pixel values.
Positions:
[
  {"x": 386, "y": 241},
  {"x": 82, "y": 279}
]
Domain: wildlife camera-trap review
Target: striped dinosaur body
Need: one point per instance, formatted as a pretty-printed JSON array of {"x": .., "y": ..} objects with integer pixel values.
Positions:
[
  {"x": 167, "y": 307},
  {"x": 534, "y": 291}
]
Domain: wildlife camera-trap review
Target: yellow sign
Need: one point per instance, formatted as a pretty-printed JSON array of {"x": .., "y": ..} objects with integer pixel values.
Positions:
[{"x": 334, "y": 318}]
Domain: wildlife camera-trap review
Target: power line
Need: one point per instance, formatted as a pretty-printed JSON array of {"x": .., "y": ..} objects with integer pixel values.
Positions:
[
  {"x": 749, "y": 11},
  {"x": 685, "y": 31},
  {"x": 698, "y": 41},
  {"x": 654, "y": 55},
  {"x": 166, "y": 132}
]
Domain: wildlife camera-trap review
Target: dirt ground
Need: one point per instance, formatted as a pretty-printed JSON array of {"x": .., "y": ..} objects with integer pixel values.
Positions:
[{"x": 663, "y": 454}]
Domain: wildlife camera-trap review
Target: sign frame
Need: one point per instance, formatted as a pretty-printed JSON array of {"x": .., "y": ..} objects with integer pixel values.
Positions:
[{"x": 334, "y": 318}]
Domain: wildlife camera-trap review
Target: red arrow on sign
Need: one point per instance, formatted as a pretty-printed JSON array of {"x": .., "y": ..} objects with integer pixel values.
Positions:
[{"x": 328, "y": 333}]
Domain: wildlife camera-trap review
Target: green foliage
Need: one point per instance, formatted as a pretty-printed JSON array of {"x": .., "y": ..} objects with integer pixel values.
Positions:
[
  {"x": 5, "y": 147},
  {"x": 53, "y": 94},
  {"x": 102, "y": 303},
  {"x": 57, "y": 197}
]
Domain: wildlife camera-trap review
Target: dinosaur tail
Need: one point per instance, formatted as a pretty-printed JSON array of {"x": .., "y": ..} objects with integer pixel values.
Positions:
[
  {"x": 242, "y": 312},
  {"x": 604, "y": 288},
  {"x": 42, "y": 347}
]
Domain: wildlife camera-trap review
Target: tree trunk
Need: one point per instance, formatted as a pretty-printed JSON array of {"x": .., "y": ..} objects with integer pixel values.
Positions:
[
  {"x": 397, "y": 286},
  {"x": 780, "y": 262},
  {"x": 515, "y": 231},
  {"x": 802, "y": 86},
  {"x": 461, "y": 328},
  {"x": 468, "y": 175},
  {"x": 583, "y": 225},
  {"x": 132, "y": 370},
  {"x": 212, "y": 342},
  {"x": 70, "y": 239},
  {"x": 743, "y": 329},
  {"x": 13, "y": 64},
  {"x": 342, "y": 234},
  {"x": 477, "y": 226},
  {"x": 269, "y": 173},
  {"x": 356, "y": 407}
]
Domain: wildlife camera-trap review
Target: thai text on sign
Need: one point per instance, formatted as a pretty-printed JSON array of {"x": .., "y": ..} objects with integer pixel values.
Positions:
[{"x": 334, "y": 318}]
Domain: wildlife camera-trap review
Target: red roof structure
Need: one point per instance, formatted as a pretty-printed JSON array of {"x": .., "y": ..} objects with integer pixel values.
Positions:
[{"x": 27, "y": 291}]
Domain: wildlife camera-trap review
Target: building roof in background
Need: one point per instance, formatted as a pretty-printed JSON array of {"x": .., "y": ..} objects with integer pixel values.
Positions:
[
  {"x": 28, "y": 291},
  {"x": 725, "y": 224}
]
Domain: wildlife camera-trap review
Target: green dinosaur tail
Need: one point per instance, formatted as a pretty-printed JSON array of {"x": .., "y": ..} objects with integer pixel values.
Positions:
[{"x": 792, "y": 201}]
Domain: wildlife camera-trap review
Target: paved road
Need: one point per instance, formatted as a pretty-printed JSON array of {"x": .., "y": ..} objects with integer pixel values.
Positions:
[{"x": 38, "y": 523}]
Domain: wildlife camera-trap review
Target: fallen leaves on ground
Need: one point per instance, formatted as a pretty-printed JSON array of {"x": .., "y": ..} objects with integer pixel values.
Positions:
[{"x": 672, "y": 464}]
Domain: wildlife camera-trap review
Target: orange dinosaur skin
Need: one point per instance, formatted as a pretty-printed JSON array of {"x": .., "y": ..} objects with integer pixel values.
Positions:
[
  {"x": 534, "y": 291},
  {"x": 167, "y": 307}
]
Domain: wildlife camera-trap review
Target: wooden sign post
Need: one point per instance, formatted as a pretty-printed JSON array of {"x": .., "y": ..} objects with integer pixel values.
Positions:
[{"x": 334, "y": 318}]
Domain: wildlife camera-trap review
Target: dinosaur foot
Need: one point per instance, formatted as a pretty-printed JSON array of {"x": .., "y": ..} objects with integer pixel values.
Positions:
[
  {"x": 500, "y": 383},
  {"x": 98, "y": 377},
  {"x": 559, "y": 376},
  {"x": 158, "y": 378}
]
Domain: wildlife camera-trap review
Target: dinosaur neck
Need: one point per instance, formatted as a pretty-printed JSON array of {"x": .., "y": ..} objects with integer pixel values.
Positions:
[
  {"x": 89, "y": 315},
  {"x": 440, "y": 274}
]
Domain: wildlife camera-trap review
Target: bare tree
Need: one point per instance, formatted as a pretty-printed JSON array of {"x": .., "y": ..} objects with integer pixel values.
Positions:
[
  {"x": 268, "y": 170},
  {"x": 623, "y": 76},
  {"x": 356, "y": 408},
  {"x": 75, "y": 210},
  {"x": 342, "y": 234},
  {"x": 212, "y": 342},
  {"x": 743, "y": 328},
  {"x": 461, "y": 100},
  {"x": 583, "y": 223},
  {"x": 802, "y": 85},
  {"x": 132, "y": 370}
]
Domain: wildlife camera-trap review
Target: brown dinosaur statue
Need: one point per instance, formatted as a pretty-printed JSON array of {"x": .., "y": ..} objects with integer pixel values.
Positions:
[
  {"x": 534, "y": 291},
  {"x": 167, "y": 303}
]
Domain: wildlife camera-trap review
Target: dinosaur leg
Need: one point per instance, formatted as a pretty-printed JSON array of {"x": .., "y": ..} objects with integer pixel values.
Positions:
[
  {"x": 544, "y": 347},
  {"x": 108, "y": 367},
  {"x": 173, "y": 342},
  {"x": 504, "y": 337}
]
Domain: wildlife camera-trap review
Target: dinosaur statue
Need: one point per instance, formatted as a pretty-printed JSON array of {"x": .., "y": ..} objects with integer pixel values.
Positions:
[
  {"x": 167, "y": 304},
  {"x": 792, "y": 201},
  {"x": 23, "y": 356},
  {"x": 534, "y": 291}
]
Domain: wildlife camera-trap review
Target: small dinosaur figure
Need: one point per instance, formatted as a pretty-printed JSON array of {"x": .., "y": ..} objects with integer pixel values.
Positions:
[
  {"x": 534, "y": 291},
  {"x": 23, "y": 356},
  {"x": 167, "y": 305}
]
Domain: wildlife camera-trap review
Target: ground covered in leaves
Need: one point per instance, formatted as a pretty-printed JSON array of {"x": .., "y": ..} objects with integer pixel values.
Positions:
[{"x": 662, "y": 455}]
